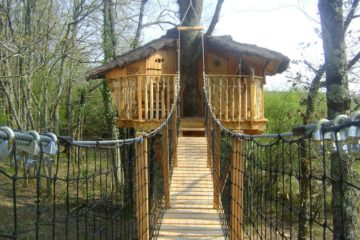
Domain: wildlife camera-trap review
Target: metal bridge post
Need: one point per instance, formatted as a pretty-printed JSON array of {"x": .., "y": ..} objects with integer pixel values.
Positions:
[
  {"x": 142, "y": 188},
  {"x": 165, "y": 166},
  {"x": 237, "y": 187},
  {"x": 216, "y": 166}
]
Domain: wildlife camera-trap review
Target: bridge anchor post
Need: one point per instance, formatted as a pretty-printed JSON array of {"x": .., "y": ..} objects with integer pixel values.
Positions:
[
  {"x": 237, "y": 190},
  {"x": 142, "y": 186}
]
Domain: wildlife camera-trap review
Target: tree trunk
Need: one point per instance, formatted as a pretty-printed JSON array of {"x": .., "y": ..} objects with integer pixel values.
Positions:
[
  {"x": 190, "y": 50},
  {"x": 332, "y": 24},
  {"x": 109, "y": 48},
  {"x": 338, "y": 102}
]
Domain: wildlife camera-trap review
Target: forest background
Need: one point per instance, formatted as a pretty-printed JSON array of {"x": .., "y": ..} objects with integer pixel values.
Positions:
[{"x": 46, "y": 47}]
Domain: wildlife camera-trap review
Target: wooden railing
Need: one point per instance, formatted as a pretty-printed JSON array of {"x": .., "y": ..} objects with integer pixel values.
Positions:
[
  {"x": 143, "y": 97},
  {"x": 236, "y": 98}
]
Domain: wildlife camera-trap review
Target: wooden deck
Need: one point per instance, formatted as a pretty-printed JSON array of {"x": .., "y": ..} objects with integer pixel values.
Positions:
[{"x": 191, "y": 215}]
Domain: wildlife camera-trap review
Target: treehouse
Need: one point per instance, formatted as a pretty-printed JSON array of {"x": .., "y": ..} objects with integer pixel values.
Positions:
[{"x": 143, "y": 83}]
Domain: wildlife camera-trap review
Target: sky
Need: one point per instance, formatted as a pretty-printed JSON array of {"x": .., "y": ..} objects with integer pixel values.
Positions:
[
  {"x": 285, "y": 26},
  {"x": 280, "y": 25}
]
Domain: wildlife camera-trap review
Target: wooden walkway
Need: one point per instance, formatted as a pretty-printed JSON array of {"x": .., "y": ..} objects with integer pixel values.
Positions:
[{"x": 191, "y": 215}]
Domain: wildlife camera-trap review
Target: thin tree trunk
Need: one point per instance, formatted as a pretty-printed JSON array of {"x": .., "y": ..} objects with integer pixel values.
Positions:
[{"x": 135, "y": 43}]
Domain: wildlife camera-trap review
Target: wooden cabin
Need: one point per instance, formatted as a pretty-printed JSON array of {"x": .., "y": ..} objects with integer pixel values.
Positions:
[{"x": 142, "y": 83}]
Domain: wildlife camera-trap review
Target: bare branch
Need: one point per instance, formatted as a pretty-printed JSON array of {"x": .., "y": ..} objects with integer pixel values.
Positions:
[
  {"x": 354, "y": 60},
  {"x": 215, "y": 18},
  {"x": 140, "y": 23},
  {"x": 350, "y": 15}
]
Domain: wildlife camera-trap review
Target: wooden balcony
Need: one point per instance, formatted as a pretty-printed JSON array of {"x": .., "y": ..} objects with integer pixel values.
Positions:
[
  {"x": 143, "y": 101},
  {"x": 238, "y": 101}
]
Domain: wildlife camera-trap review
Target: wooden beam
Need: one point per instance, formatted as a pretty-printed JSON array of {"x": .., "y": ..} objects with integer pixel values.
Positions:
[
  {"x": 139, "y": 97},
  {"x": 237, "y": 189},
  {"x": 208, "y": 137},
  {"x": 174, "y": 137},
  {"x": 165, "y": 167},
  {"x": 142, "y": 186},
  {"x": 216, "y": 166},
  {"x": 146, "y": 99},
  {"x": 252, "y": 96},
  {"x": 151, "y": 99},
  {"x": 189, "y": 28}
]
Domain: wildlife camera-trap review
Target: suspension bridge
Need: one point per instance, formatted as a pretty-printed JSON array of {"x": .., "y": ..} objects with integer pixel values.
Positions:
[
  {"x": 161, "y": 185},
  {"x": 165, "y": 184}
]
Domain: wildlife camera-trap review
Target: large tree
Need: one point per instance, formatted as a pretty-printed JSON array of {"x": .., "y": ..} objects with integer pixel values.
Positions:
[
  {"x": 190, "y": 51},
  {"x": 338, "y": 102}
]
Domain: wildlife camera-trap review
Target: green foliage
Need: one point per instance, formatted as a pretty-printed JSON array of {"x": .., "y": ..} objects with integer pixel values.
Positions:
[{"x": 285, "y": 110}]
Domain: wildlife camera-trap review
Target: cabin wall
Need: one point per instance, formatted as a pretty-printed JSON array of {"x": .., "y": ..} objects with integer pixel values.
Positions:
[
  {"x": 162, "y": 62},
  {"x": 226, "y": 63}
]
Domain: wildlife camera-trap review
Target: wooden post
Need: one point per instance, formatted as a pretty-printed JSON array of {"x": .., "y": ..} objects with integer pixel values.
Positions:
[
  {"x": 168, "y": 96},
  {"x": 233, "y": 85},
  {"x": 165, "y": 166},
  {"x": 174, "y": 137},
  {"x": 237, "y": 189},
  {"x": 209, "y": 89},
  {"x": 226, "y": 99},
  {"x": 142, "y": 194},
  {"x": 216, "y": 166},
  {"x": 163, "y": 103},
  {"x": 252, "y": 96},
  {"x": 239, "y": 96},
  {"x": 220, "y": 98},
  {"x": 208, "y": 138},
  {"x": 157, "y": 91},
  {"x": 139, "y": 97},
  {"x": 263, "y": 98},
  {"x": 151, "y": 99},
  {"x": 146, "y": 99}
]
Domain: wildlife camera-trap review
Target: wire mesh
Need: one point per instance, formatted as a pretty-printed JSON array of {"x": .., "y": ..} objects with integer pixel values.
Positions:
[
  {"x": 294, "y": 185},
  {"x": 86, "y": 191},
  {"x": 156, "y": 184},
  {"x": 291, "y": 187}
]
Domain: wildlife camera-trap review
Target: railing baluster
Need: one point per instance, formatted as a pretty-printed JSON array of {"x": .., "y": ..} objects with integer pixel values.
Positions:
[
  {"x": 175, "y": 89},
  {"x": 220, "y": 98},
  {"x": 233, "y": 85},
  {"x": 151, "y": 98},
  {"x": 226, "y": 98},
  {"x": 168, "y": 88},
  {"x": 163, "y": 103},
  {"x": 210, "y": 82},
  {"x": 139, "y": 97},
  {"x": 239, "y": 99},
  {"x": 146, "y": 98},
  {"x": 252, "y": 96},
  {"x": 157, "y": 91}
]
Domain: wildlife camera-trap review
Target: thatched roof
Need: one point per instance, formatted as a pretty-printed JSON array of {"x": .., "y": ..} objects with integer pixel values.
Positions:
[
  {"x": 132, "y": 56},
  {"x": 225, "y": 43}
]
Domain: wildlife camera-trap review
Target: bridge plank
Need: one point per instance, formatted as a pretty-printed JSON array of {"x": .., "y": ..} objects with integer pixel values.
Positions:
[{"x": 191, "y": 215}]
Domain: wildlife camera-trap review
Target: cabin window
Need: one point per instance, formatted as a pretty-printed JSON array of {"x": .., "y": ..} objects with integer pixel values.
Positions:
[{"x": 159, "y": 60}]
